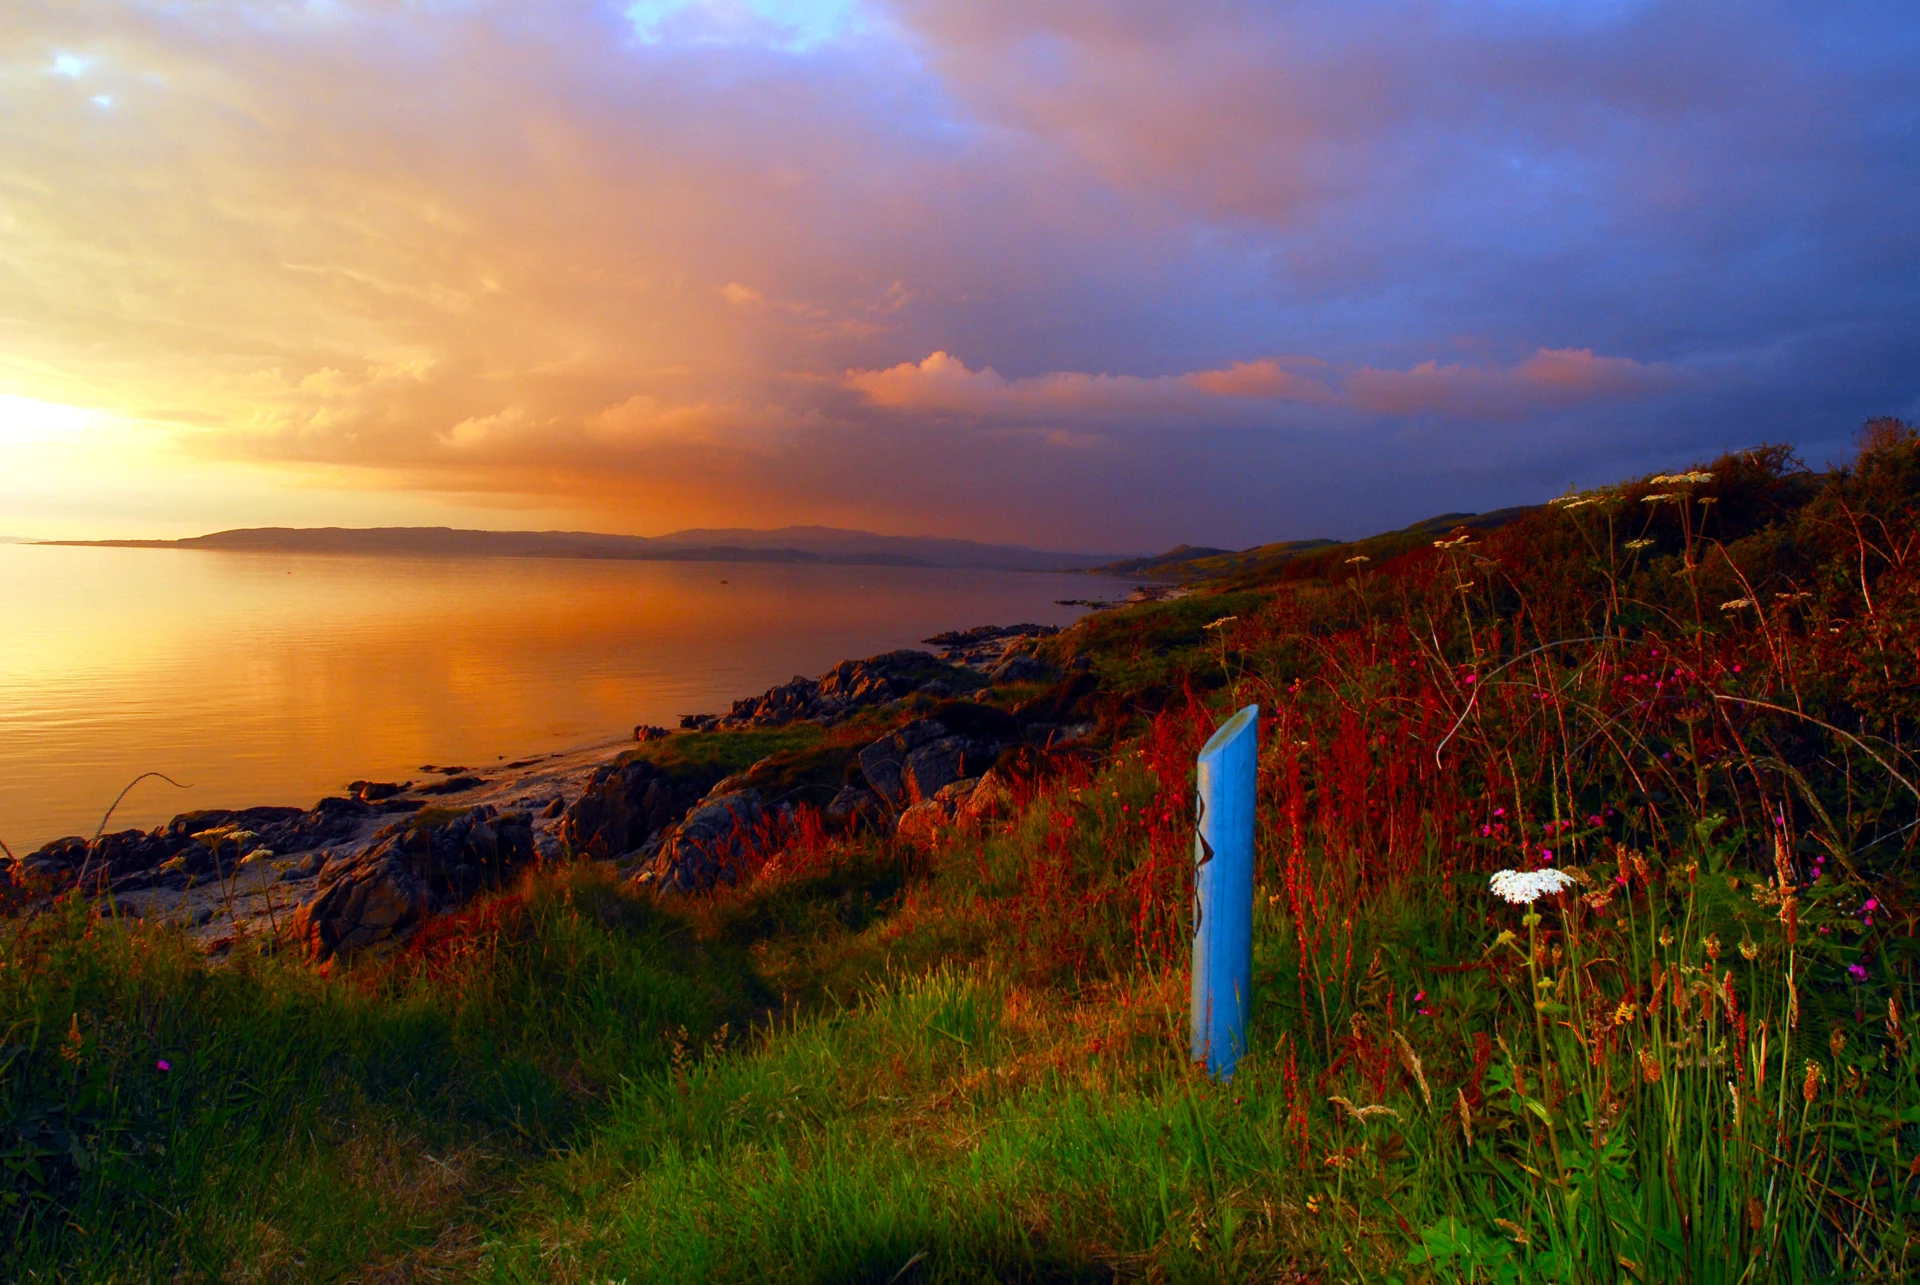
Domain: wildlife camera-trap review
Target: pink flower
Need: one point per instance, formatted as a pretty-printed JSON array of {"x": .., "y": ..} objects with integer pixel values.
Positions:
[
  {"x": 164, "y": 1065},
  {"x": 1858, "y": 973}
]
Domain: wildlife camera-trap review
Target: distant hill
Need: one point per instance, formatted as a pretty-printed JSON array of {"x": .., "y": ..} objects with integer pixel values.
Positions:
[
  {"x": 1188, "y": 563},
  {"x": 786, "y": 544}
]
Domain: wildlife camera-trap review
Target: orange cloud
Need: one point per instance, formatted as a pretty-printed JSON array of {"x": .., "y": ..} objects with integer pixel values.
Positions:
[{"x": 1550, "y": 377}]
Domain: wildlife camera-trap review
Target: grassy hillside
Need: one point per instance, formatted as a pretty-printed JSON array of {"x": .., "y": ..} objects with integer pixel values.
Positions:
[
  {"x": 1696, "y": 695},
  {"x": 1301, "y": 559}
]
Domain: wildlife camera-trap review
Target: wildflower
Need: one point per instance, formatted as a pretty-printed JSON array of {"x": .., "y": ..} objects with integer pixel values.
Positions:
[
  {"x": 164, "y": 1065},
  {"x": 1680, "y": 479},
  {"x": 1650, "y": 1069},
  {"x": 1623, "y": 1012},
  {"x": 1217, "y": 623},
  {"x": 1546, "y": 854},
  {"x": 1736, "y": 604},
  {"x": 1836, "y": 1040},
  {"x": 1657, "y": 499},
  {"x": 1466, "y": 1115},
  {"x": 1857, "y": 972},
  {"x": 1713, "y": 947},
  {"x": 1524, "y": 888},
  {"x": 1749, "y": 949},
  {"x": 1636, "y": 545},
  {"x": 1811, "y": 1089},
  {"x": 1357, "y": 559}
]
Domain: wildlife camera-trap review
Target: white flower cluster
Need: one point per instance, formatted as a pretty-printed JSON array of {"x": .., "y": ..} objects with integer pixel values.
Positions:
[
  {"x": 1525, "y": 888},
  {"x": 1672, "y": 479},
  {"x": 1736, "y": 604}
]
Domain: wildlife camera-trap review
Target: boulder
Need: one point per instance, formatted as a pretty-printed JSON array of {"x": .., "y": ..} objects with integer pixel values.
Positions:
[
  {"x": 959, "y": 739},
  {"x": 454, "y": 785},
  {"x": 644, "y": 733},
  {"x": 1020, "y": 667},
  {"x": 922, "y": 824},
  {"x": 990, "y": 797},
  {"x": 373, "y": 899},
  {"x": 884, "y": 762},
  {"x": 627, "y": 803},
  {"x": 854, "y": 805},
  {"x": 428, "y": 863},
  {"x": 716, "y": 844}
]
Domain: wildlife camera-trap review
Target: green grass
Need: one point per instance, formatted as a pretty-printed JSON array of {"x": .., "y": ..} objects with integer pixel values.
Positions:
[{"x": 724, "y": 753}]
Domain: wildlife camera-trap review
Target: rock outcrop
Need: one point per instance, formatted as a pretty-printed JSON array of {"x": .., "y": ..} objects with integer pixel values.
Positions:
[
  {"x": 720, "y": 841},
  {"x": 850, "y": 686},
  {"x": 984, "y": 648},
  {"x": 429, "y": 863},
  {"x": 960, "y": 739},
  {"x": 964, "y": 805},
  {"x": 169, "y": 856},
  {"x": 1020, "y": 667},
  {"x": 628, "y": 802}
]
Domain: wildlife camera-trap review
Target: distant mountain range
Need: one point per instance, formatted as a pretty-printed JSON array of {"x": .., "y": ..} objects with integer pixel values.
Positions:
[
  {"x": 806, "y": 544},
  {"x": 803, "y": 544}
]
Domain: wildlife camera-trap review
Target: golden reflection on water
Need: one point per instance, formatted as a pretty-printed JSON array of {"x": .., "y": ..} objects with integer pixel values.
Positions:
[{"x": 276, "y": 679}]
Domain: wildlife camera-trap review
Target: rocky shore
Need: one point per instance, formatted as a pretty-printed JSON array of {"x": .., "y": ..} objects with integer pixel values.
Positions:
[{"x": 908, "y": 742}]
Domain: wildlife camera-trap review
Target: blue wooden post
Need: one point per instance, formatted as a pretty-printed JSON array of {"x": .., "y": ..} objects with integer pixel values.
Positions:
[{"x": 1223, "y": 893}]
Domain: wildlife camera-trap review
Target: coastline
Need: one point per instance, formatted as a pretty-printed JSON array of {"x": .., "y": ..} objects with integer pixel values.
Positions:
[{"x": 203, "y": 873}]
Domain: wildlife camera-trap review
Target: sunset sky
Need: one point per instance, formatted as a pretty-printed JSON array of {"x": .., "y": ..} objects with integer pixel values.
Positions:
[{"x": 1092, "y": 274}]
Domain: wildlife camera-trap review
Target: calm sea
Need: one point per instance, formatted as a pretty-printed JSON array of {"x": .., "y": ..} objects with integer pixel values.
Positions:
[{"x": 276, "y": 679}]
